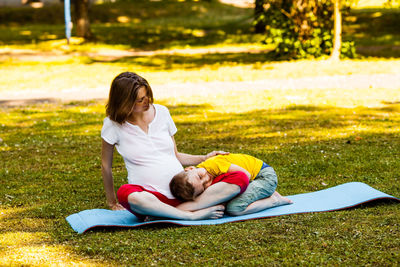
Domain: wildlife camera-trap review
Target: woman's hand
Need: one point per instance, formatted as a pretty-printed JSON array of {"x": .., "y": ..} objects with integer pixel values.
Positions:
[
  {"x": 214, "y": 153},
  {"x": 116, "y": 206}
]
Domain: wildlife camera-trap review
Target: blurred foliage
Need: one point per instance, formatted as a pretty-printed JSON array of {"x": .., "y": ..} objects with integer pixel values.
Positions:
[
  {"x": 123, "y": 11},
  {"x": 301, "y": 29},
  {"x": 140, "y": 24},
  {"x": 23, "y": 15},
  {"x": 170, "y": 24}
]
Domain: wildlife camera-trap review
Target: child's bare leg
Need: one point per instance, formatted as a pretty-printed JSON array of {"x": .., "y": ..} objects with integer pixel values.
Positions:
[{"x": 273, "y": 201}]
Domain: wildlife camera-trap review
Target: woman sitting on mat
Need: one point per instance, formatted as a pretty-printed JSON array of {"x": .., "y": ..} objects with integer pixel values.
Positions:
[{"x": 143, "y": 133}]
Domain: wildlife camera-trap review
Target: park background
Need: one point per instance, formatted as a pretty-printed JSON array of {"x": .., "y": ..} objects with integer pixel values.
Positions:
[{"x": 318, "y": 122}]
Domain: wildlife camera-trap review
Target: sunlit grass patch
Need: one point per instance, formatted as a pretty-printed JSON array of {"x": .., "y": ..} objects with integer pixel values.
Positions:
[
  {"x": 274, "y": 98},
  {"x": 76, "y": 75},
  {"x": 33, "y": 249},
  {"x": 25, "y": 240}
]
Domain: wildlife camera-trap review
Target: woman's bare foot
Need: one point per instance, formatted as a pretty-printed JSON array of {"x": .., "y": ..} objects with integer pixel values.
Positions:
[
  {"x": 279, "y": 200},
  {"x": 214, "y": 212}
]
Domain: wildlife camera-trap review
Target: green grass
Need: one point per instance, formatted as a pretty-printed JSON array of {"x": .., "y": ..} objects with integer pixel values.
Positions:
[
  {"x": 51, "y": 168},
  {"x": 314, "y": 138}
]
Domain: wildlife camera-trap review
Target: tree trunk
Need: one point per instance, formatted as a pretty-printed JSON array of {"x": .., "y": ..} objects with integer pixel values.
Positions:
[
  {"x": 258, "y": 13},
  {"x": 82, "y": 19},
  {"x": 337, "y": 37}
]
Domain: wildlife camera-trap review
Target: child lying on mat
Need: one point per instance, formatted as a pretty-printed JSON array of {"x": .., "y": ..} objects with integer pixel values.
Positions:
[{"x": 259, "y": 195}]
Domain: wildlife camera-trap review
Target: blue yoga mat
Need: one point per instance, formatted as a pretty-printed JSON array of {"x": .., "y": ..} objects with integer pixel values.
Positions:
[{"x": 335, "y": 198}]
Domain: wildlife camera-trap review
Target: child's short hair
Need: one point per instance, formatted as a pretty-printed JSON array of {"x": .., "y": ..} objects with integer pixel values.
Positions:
[{"x": 181, "y": 188}]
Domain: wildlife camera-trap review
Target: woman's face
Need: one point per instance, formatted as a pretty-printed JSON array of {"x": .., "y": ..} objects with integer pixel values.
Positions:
[{"x": 142, "y": 101}]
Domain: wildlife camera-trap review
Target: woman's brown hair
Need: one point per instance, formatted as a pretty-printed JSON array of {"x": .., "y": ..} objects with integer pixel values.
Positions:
[{"x": 123, "y": 93}]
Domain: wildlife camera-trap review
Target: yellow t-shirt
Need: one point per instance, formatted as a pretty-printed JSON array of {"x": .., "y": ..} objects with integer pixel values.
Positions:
[{"x": 220, "y": 164}]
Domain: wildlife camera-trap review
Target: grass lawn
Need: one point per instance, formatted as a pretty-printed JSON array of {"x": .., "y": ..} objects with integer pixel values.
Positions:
[
  {"x": 51, "y": 168},
  {"x": 314, "y": 138}
]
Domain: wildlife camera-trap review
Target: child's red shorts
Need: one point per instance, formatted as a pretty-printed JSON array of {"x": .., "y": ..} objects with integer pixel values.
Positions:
[{"x": 238, "y": 178}]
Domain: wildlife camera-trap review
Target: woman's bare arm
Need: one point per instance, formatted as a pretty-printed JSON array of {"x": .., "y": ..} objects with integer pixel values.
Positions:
[
  {"x": 107, "y": 152},
  {"x": 187, "y": 159}
]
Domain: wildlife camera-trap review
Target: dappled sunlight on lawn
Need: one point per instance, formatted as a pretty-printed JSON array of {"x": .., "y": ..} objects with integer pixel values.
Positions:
[
  {"x": 317, "y": 139},
  {"x": 36, "y": 249},
  {"x": 269, "y": 99},
  {"x": 29, "y": 243},
  {"x": 291, "y": 125},
  {"x": 74, "y": 80}
]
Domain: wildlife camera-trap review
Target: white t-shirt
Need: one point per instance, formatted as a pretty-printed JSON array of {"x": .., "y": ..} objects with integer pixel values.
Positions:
[{"x": 149, "y": 158}]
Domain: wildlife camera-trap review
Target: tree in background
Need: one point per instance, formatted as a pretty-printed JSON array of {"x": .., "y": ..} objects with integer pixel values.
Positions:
[
  {"x": 82, "y": 19},
  {"x": 337, "y": 31},
  {"x": 303, "y": 28},
  {"x": 259, "y": 21}
]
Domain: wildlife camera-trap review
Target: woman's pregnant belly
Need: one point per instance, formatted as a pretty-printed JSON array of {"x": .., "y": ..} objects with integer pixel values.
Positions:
[{"x": 155, "y": 174}]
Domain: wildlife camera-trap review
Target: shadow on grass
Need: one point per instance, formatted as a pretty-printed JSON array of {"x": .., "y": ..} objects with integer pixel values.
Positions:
[
  {"x": 193, "y": 61},
  {"x": 147, "y": 227},
  {"x": 301, "y": 120},
  {"x": 374, "y": 31},
  {"x": 187, "y": 109}
]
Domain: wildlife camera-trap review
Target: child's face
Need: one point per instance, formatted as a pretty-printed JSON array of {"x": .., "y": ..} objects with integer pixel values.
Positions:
[{"x": 199, "y": 178}]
